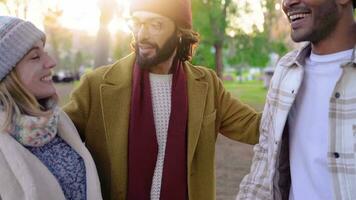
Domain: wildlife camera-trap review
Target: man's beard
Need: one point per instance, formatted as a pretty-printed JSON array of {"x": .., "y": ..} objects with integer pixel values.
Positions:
[
  {"x": 325, "y": 19},
  {"x": 162, "y": 54},
  {"x": 326, "y": 22}
]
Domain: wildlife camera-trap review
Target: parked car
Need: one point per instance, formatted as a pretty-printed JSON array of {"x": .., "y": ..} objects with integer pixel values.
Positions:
[{"x": 64, "y": 77}]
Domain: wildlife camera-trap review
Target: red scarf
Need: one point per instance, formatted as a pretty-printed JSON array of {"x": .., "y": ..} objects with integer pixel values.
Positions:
[{"x": 143, "y": 147}]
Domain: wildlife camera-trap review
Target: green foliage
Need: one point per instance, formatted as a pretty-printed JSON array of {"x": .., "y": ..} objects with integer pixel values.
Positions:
[
  {"x": 243, "y": 49},
  {"x": 209, "y": 18},
  {"x": 122, "y": 45},
  {"x": 204, "y": 55},
  {"x": 80, "y": 58},
  {"x": 212, "y": 18},
  {"x": 253, "y": 50}
]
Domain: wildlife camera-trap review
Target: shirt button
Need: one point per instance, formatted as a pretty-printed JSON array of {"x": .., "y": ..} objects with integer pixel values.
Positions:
[
  {"x": 337, "y": 95},
  {"x": 336, "y": 155}
]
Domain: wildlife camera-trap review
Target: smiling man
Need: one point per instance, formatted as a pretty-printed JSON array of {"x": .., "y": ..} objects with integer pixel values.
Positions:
[
  {"x": 307, "y": 147},
  {"x": 151, "y": 119}
]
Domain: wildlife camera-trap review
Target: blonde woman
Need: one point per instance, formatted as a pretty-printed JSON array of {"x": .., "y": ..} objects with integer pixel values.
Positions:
[{"x": 41, "y": 154}]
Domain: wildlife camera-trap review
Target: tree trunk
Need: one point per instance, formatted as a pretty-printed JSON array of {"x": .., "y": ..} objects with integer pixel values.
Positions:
[
  {"x": 107, "y": 8},
  {"x": 102, "y": 47},
  {"x": 25, "y": 9},
  {"x": 219, "y": 67}
]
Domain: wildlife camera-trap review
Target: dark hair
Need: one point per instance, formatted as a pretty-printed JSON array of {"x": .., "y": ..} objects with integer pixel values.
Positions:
[
  {"x": 187, "y": 43},
  {"x": 354, "y": 3}
]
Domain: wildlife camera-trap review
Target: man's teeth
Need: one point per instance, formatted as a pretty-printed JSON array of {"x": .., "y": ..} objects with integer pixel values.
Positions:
[
  {"x": 46, "y": 78},
  {"x": 297, "y": 16}
]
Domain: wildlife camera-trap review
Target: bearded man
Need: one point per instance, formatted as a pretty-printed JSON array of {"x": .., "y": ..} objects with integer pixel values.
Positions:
[{"x": 151, "y": 119}]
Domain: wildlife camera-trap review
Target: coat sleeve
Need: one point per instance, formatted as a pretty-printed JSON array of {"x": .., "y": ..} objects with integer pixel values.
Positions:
[
  {"x": 238, "y": 121},
  {"x": 78, "y": 106}
]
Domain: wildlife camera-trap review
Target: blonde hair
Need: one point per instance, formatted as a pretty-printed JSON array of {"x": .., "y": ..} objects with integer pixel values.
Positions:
[{"x": 15, "y": 99}]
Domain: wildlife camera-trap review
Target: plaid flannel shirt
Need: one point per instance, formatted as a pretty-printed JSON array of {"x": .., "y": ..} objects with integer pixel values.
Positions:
[{"x": 269, "y": 177}]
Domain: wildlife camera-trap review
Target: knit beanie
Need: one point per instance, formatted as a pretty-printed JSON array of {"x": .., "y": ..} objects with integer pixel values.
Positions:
[
  {"x": 177, "y": 10},
  {"x": 17, "y": 37}
]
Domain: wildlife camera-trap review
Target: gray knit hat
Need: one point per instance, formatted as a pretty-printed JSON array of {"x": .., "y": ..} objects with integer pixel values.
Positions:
[{"x": 17, "y": 37}]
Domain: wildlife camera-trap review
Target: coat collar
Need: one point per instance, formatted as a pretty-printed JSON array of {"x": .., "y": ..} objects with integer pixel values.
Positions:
[
  {"x": 125, "y": 66},
  {"x": 122, "y": 66},
  {"x": 68, "y": 132}
]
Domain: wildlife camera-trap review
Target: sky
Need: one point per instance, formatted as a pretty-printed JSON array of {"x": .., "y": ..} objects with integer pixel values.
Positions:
[
  {"x": 247, "y": 20},
  {"x": 84, "y": 15},
  {"x": 81, "y": 15}
]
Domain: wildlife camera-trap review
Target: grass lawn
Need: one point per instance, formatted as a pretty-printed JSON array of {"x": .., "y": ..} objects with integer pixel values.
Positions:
[{"x": 252, "y": 92}]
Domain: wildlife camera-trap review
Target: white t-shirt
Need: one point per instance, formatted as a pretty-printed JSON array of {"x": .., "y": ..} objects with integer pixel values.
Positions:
[
  {"x": 161, "y": 90},
  {"x": 309, "y": 127}
]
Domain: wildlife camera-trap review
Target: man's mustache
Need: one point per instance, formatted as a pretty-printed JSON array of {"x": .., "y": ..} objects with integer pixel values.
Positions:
[
  {"x": 146, "y": 43},
  {"x": 299, "y": 9}
]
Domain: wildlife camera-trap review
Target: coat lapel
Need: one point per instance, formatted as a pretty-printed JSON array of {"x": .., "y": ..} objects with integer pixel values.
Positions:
[
  {"x": 115, "y": 98},
  {"x": 197, "y": 91},
  {"x": 68, "y": 132}
]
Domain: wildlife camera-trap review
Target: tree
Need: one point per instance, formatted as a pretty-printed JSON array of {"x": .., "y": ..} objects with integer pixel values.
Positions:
[
  {"x": 4, "y": 2},
  {"x": 276, "y": 26},
  {"x": 210, "y": 19},
  {"x": 254, "y": 49},
  {"x": 18, "y": 8},
  {"x": 122, "y": 44},
  {"x": 107, "y": 9},
  {"x": 59, "y": 39}
]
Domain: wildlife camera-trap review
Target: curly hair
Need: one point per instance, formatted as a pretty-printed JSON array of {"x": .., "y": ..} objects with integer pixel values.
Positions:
[{"x": 187, "y": 43}]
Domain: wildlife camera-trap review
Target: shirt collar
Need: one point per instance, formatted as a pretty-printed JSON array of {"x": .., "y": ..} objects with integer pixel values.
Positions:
[{"x": 299, "y": 56}]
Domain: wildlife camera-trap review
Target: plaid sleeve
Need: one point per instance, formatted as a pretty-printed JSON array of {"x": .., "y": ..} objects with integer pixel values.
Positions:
[{"x": 256, "y": 184}]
